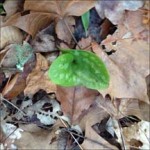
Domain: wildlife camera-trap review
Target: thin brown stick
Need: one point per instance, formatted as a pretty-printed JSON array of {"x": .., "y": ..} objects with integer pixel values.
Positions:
[
  {"x": 70, "y": 133},
  {"x": 71, "y": 33}
]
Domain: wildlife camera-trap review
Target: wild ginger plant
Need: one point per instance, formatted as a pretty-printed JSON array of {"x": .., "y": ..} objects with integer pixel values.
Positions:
[{"x": 79, "y": 68}]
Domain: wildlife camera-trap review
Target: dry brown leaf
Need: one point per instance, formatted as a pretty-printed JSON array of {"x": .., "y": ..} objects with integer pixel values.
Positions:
[
  {"x": 119, "y": 108},
  {"x": 10, "y": 58},
  {"x": 62, "y": 30},
  {"x": 38, "y": 78},
  {"x": 9, "y": 35},
  {"x": 85, "y": 43},
  {"x": 11, "y": 7},
  {"x": 115, "y": 11},
  {"x": 62, "y": 9},
  {"x": 44, "y": 41},
  {"x": 30, "y": 23},
  {"x": 93, "y": 140},
  {"x": 131, "y": 28},
  {"x": 18, "y": 83},
  {"x": 14, "y": 87},
  {"x": 36, "y": 138},
  {"x": 128, "y": 67},
  {"x": 59, "y": 7},
  {"x": 137, "y": 135},
  {"x": 75, "y": 106}
]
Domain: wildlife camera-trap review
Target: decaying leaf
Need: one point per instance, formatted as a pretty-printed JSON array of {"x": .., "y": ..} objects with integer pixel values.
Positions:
[
  {"x": 93, "y": 140},
  {"x": 36, "y": 138},
  {"x": 43, "y": 42},
  {"x": 61, "y": 8},
  {"x": 84, "y": 43},
  {"x": 62, "y": 30},
  {"x": 114, "y": 11},
  {"x": 128, "y": 67},
  {"x": 137, "y": 135},
  {"x": 11, "y": 7},
  {"x": 30, "y": 23},
  {"x": 75, "y": 101},
  {"x": 119, "y": 108},
  {"x": 14, "y": 87},
  {"x": 38, "y": 78},
  {"x": 10, "y": 57},
  {"x": 10, "y": 35}
]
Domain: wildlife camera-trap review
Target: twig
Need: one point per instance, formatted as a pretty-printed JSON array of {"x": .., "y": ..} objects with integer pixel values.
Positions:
[
  {"x": 12, "y": 105},
  {"x": 70, "y": 133},
  {"x": 3, "y": 141},
  {"x": 122, "y": 138},
  {"x": 71, "y": 33}
]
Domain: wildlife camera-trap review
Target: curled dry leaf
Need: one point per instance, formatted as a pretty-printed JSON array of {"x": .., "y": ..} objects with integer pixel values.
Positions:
[
  {"x": 38, "y": 78},
  {"x": 127, "y": 67},
  {"x": 75, "y": 101},
  {"x": 9, "y": 35}
]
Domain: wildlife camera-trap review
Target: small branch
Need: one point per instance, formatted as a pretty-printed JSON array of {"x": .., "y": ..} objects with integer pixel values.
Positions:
[
  {"x": 71, "y": 33},
  {"x": 70, "y": 133},
  {"x": 12, "y": 105}
]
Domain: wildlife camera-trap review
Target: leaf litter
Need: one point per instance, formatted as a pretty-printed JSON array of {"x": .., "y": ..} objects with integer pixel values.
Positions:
[{"x": 54, "y": 117}]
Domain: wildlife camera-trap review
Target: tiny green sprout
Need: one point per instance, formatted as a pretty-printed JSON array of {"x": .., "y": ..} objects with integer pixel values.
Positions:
[
  {"x": 85, "y": 20},
  {"x": 24, "y": 53},
  {"x": 79, "y": 68}
]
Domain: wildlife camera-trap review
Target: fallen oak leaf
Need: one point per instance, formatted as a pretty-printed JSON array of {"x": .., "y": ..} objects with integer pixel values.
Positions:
[
  {"x": 38, "y": 78},
  {"x": 128, "y": 67},
  {"x": 75, "y": 101}
]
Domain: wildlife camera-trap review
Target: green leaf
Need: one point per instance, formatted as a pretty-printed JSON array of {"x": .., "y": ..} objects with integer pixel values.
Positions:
[
  {"x": 79, "y": 68},
  {"x": 85, "y": 20},
  {"x": 24, "y": 53},
  {"x": 2, "y": 11}
]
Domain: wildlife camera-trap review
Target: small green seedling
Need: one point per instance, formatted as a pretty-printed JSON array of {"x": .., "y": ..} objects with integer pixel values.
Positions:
[
  {"x": 24, "y": 53},
  {"x": 85, "y": 21},
  {"x": 79, "y": 68}
]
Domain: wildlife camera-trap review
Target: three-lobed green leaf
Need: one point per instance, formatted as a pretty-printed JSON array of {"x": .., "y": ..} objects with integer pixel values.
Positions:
[{"x": 79, "y": 68}]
